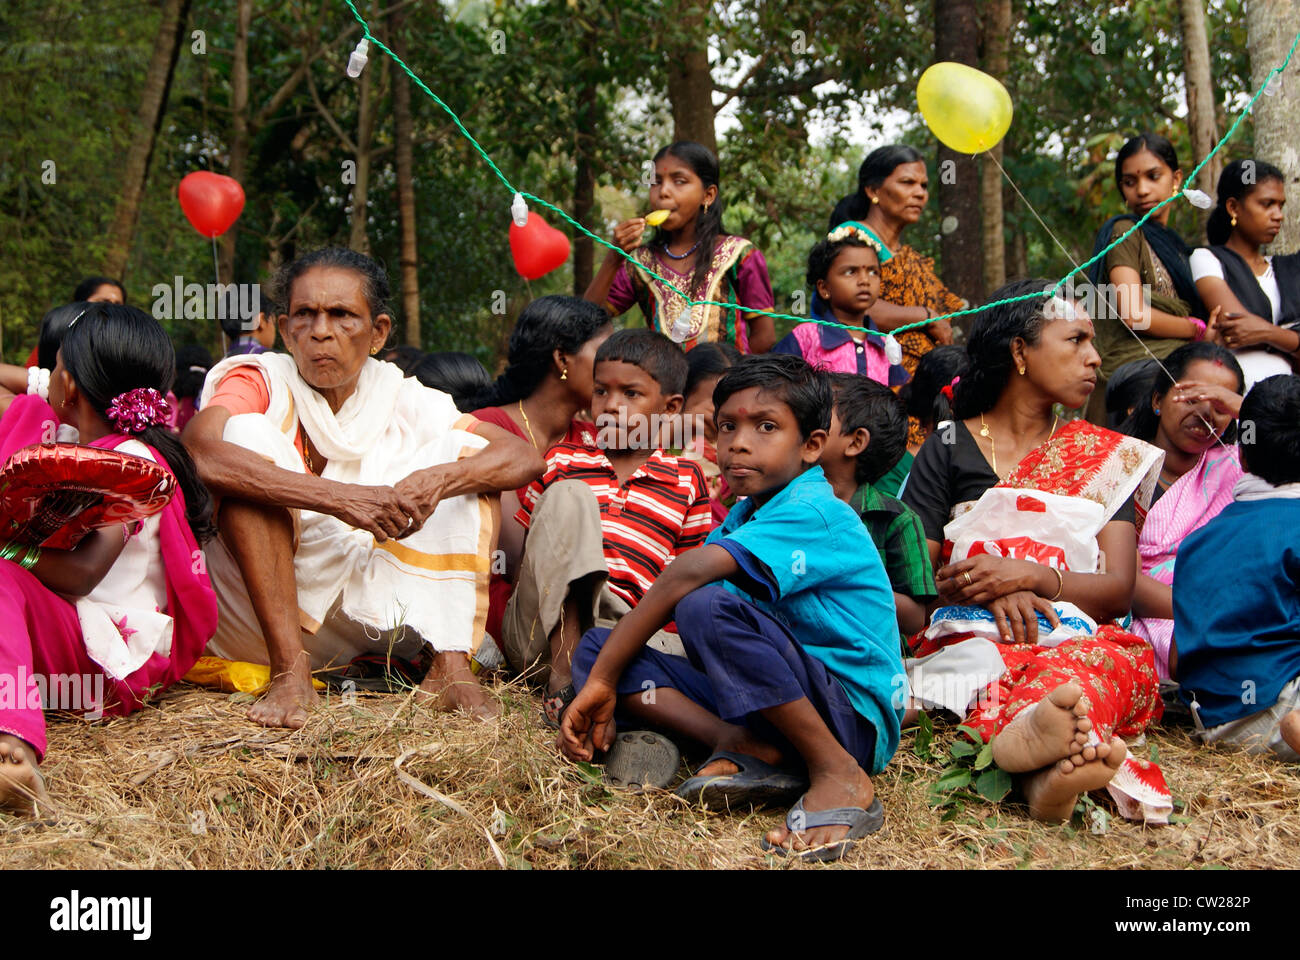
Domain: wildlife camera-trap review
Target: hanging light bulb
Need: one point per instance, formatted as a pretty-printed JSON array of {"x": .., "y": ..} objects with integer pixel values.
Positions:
[
  {"x": 1198, "y": 198},
  {"x": 893, "y": 350},
  {"x": 519, "y": 210},
  {"x": 357, "y": 62}
]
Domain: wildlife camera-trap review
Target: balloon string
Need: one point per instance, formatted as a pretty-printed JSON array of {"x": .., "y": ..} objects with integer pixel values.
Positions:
[
  {"x": 365, "y": 30},
  {"x": 216, "y": 269}
]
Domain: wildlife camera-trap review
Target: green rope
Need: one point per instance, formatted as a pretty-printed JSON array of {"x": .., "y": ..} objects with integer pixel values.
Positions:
[{"x": 365, "y": 29}]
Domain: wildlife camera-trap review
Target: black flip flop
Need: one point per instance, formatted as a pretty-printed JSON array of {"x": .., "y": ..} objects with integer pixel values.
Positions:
[
  {"x": 859, "y": 821},
  {"x": 756, "y": 784},
  {"x": 641, "y": 759}
]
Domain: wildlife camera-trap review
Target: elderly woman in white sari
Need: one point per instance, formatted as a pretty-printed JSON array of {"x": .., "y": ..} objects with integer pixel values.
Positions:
[{"x": 355, "y": 505}]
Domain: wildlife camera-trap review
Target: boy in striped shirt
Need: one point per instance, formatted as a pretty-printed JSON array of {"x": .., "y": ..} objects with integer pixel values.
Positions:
[{"x": 603, "y": 522}]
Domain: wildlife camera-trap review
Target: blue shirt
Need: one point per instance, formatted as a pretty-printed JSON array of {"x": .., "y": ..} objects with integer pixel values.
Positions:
[
  {"x": 807, "y": 561},
  {"x": 1237, "y": 609}
]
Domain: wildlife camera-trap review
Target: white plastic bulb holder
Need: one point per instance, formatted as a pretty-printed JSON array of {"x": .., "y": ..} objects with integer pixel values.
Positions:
[
  {"x": 519, "y": 210},
  {"x": 893, "y": 351},
  {"x": 1199, "y": 199},
  {"x": 357, "y": 62}
]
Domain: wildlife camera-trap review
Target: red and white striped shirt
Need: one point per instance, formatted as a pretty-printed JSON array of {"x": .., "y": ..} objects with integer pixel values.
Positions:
[{"x": 662, "y": 511}]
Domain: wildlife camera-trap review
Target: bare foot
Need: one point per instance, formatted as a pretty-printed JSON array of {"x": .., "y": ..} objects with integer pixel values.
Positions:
[
  {"x": 847, "y": 786},
  {"x": 22, "y": 787},
  {"x": 289, "y": 699},
  {"x": 1052, "y": 793},
  {"x": 1290, "y": 730},
  {"x": 740, "y": 740},
  {"x": 450, "y": 685},
  {"x": 1050, "y": 730}
]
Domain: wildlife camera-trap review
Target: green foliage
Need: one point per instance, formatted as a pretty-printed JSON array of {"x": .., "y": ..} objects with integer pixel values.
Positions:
[{"x": 577, "y": 78}]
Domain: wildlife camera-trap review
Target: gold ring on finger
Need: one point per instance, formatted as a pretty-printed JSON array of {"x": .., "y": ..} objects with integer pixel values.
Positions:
[{"x": 969, "y": 581}]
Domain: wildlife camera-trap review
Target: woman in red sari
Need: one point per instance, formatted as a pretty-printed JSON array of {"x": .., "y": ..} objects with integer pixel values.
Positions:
[{"x": 1030, "y": 522}]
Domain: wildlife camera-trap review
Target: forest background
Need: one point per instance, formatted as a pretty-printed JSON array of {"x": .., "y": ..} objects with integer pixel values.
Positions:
[{"x": 106, "y": 106}]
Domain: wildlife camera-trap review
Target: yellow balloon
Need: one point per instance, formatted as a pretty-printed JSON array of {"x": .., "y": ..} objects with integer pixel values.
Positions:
[{"x": 965, "y": 108}]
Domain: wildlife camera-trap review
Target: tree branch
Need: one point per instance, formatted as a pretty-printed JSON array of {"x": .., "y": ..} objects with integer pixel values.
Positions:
[{"x": 329, "y": 117}]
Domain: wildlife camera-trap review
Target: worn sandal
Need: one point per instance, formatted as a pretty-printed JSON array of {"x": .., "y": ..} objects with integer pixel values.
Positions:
[
  {"x": 554, "y": 705},
  {"x": 859, "y": 821},
  {"x": 641, "y": 759},
  {"x": 756, "y": 783}
]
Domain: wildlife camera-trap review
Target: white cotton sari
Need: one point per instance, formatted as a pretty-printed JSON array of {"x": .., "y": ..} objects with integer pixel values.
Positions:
[{"x": 356, "y": 594}]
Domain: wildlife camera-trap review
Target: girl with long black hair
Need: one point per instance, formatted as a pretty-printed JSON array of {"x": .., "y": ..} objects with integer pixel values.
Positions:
[
  {"x": 128, "y": 610},
  {"x": 1156, "y": 308},
  {"x": 691, "y": 250},
  {"x": 1259, "y": 295}
]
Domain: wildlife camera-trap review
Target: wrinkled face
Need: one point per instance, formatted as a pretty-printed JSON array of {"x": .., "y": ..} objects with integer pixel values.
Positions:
[
  {"x": 678, "y": 189},
  {"x": 904, "y": 193},
  {"x": 329, "y": 330},
  {"x": 1184, "y": 424},
  {"x": 1064, "y": 362},
  {"x": 852, "y": 283},
  {"x": 1259, "y": 213},
  {"x": 579, "y": 366},
  {"x": 105, "y": 293},
  {"x": 629, "y": 406},
  {"x": 760, "y": 448},
  {"x": 1146, "y": 180}
]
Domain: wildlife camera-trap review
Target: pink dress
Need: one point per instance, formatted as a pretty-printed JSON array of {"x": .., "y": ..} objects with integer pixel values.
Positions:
[{"x": 57, "y": 653}]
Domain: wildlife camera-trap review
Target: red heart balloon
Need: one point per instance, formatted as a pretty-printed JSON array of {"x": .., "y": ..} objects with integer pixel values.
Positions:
[
  {"x": 537, "y": 247},
  {"x": 211, "y": 202}
]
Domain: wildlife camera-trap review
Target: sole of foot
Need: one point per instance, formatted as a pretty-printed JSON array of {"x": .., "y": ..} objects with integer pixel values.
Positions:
[
  {"x": 1052, "y": 729},
  {"x": 22, "y": 788},
  {"x": 1052, "y": 793}
]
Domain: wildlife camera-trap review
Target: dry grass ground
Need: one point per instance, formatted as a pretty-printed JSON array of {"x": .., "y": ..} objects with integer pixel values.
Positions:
[{"x": 190, "y": 783}]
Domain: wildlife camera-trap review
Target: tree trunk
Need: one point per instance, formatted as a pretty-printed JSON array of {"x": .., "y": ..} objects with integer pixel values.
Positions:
[
  {"x": 153, "y": 101},
  {"x": 690, "y": 85},
  {"x": 1271, "y": 25},
  {"x": 956, "y": 38},
  {"x": 405, "y": 185},
  {"x": 584, "y": 187},
  {"x": 1200, "y": 99},
  {"x": 996, "y": 28},
  {"x": 239, "y": 133}
]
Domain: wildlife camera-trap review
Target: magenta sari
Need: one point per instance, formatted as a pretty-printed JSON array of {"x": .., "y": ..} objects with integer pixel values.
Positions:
[{"x": 42, "y": 644}]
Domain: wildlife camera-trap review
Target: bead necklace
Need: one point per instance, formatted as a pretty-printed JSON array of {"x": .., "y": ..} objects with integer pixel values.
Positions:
[{"x": 681, "y": 256}]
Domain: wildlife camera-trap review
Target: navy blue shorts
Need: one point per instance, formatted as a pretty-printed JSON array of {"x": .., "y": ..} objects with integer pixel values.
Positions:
[{"x": 738, "y": 662}]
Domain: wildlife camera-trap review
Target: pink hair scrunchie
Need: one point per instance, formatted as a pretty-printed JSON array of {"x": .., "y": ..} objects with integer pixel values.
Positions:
[{"x": 137, "y": 410}]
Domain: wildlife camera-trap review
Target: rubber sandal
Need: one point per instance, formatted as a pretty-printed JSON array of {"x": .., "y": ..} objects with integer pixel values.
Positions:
[
  {"x": 641, "y": 759},
  {"x": 860, "y": 823},
  {"x": 554, "y": 705},
  {"x": 756, "y": 783}
]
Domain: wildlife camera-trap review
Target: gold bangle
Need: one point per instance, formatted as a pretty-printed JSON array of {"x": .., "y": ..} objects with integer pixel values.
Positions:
[{"x": 1060, "y": 583}]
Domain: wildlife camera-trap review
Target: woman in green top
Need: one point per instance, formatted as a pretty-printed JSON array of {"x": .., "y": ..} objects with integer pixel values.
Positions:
[{"x": 1152, "y": 261}]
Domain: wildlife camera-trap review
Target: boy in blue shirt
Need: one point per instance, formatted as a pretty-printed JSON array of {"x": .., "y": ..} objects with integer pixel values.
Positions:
[
  {"x": 787, "y": 618},
  {"x": 1236, "y": 646}
]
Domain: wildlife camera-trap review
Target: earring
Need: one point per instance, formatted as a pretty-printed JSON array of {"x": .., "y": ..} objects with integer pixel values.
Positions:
[
  {"x": 875, "y": 199},
  {"x": 1022, "y": 371},
  {"x": 564, "y": 374},
  {"x": 1234, "y": 221},
  {"x": 706, "y": 208},
  {"x": 1157, "y": 411}
]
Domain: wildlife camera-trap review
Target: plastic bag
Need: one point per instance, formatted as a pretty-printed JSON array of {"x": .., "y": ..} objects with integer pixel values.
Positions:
[{"x": 1047, "y": 528}]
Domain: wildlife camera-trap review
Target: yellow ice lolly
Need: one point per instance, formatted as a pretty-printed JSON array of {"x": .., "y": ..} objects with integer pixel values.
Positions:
[{"x": 657, "y": 217}]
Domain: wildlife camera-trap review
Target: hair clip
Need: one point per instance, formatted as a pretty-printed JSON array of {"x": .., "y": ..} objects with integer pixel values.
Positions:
[{"x": 947, "y": 389}]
